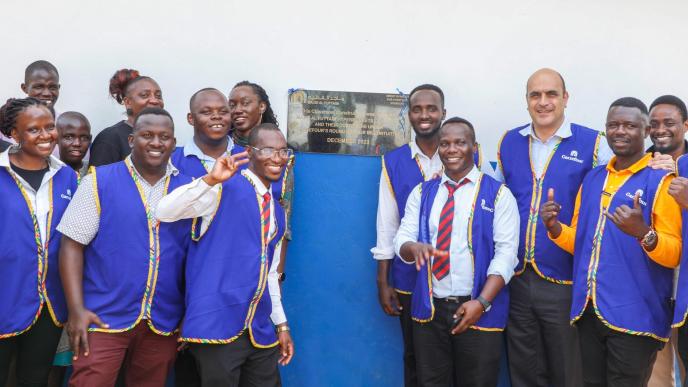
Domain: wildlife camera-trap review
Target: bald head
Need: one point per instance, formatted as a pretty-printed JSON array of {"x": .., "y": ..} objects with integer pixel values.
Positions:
[
  {"x": 545, "y": 73},
  {"x": 210, "y": 91},
  {"x": 72, "y": 119}
]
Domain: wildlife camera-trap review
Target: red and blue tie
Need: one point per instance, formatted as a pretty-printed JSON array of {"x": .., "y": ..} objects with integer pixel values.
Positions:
[
  {"x": 265, "y": 217},
  {"x": 440, "y": 265}
]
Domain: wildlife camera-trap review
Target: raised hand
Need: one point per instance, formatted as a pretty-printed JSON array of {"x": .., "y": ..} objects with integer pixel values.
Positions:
[
  {"x": 678, "y": 189},
  {"x": 225, "y": 167},
  {"x": 420, "y": 253},
  {"x": 549, "y": 213},
  {"x": 630, "y": 220}
]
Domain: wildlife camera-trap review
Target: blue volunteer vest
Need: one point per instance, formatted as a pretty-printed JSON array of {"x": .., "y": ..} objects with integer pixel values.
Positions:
[
  {"x": 481, "y": 247},
  {"x": 403, "y": 173},
  {"x": 226, "y": 274},
  {"x": 572, "y": 159},
  {"x": 192, "y": 166},
  {"x": 630, "y": 292},
  {"x": 130, "y": 272},
  {"x": 29, "y": 282},
  {"x": 681, "y": 309}
]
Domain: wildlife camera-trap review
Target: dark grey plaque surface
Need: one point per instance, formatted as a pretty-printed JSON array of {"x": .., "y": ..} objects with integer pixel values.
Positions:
[{"x": 342, "y": 122}]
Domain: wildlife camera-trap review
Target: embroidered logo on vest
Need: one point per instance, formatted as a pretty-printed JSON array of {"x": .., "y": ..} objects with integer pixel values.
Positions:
[
  {"x": 484, "y": 207},
  {"x": 68, "y": 196},
  {"x": 640, "y": 194},
  {"x": 573, "y": 156}
]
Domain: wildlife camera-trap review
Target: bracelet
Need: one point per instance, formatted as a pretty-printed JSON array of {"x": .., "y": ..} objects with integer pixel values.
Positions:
[{"x": 283, "y": 328}]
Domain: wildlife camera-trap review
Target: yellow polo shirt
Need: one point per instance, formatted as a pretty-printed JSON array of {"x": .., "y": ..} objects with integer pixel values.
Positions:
[{"x": 666, "y": 215}]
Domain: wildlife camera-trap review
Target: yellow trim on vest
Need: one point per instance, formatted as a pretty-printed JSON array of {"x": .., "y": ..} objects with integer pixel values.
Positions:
[
  {"x": 480, "y": 156},
  {"x": 94, "y": 181},
  {"x": 389, "y": 181},
  {"x": 596, "y": 152},
  {"x": 402, "y": 291}
]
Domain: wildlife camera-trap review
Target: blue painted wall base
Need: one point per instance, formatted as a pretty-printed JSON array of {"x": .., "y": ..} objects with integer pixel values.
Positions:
[{"x": 342, "y": 336}]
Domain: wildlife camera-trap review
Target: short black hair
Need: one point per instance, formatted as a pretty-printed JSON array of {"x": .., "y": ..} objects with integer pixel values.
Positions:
[
  {"x": 630, "y": 102},
  {"x": 73, "y": 116},
  {"x": 39, "y": 65},
  {"x": 427, "y": 86},
  {"x": 193, "y": 97},
  {"x": 9, "y": 112},
  {"x": 671, "y": 100},
  {"x": 459, "y": 120},
  {"x": 156, "y": 111},
  {"x": 255, "y": 132}
]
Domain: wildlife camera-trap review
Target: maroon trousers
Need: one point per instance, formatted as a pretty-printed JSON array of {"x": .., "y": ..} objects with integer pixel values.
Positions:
[{"x": 149, "y": 358}]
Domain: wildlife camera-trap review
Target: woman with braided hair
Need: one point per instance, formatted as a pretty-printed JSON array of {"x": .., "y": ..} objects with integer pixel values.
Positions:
[
  {"x": 135, "y": 92},
  {"x": 249, "y": 106},
  {"x": 36, "y": 188}
]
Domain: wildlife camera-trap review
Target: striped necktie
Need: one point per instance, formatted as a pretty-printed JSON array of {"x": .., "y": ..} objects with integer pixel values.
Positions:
[
  {"x": 440, "y": 265},
  {"x": 265, "y": 217}
]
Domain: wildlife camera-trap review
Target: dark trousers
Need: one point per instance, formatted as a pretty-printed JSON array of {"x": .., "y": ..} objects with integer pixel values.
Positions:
[
  {"x": 410, "y": 377},
  {"x": 147, "y": 357},
  {"x": 238, "y": 363},
  {"x": 683, "y": 347},
  {"x": 185, "y": 371},
  {"x": 468, "y": 359},
  {"x": 542, "y": 345},
  {"x": 35, "y": 351},
  {"x": 612, "y": 358}
]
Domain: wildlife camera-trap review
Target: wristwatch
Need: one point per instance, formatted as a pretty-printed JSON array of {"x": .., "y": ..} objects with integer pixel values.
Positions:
[
  {"x": 487, "y": 305},
  {"x": 649, "y": 239},
  {"x": 281, "y": 277}
]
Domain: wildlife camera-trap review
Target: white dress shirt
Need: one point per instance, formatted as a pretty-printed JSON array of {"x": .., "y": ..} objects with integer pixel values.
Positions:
[
  {"x": 40, "y": 200},
  {"x": 387, "y": 211},
  {"x": 198, "y": 199},
  {"x": 191, "y": 149},
  {"x": 459, "y": 282},
  {"x": 541, "y": 150}
]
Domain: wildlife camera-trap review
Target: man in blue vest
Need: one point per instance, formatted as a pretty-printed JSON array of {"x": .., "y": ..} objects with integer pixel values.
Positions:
[
  {"x": 234, "y": 319},
  {"x": 121, "y": 269},
  {"x": 461, "y": 230},
  {"x": 550, "y": 151},
  {"x": 403, "y": 169},
  {"x": 625, "y": 234}
]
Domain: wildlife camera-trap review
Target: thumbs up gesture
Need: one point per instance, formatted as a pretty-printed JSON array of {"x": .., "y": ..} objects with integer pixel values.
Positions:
[
  {"x": 630, "y": 220},
  {"x": 549, "y": 213}
]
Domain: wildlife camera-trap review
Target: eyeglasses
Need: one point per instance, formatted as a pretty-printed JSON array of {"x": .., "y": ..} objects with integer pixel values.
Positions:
[{"x": 269, "y": 152}]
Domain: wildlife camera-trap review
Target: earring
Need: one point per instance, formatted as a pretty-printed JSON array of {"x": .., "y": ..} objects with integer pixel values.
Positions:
[
  {"x": 15, "y": 148},
  {"x": 261, "y": 118}
]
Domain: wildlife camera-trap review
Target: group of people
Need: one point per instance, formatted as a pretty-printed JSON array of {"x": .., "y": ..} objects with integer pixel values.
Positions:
[
  {"x": 127, "y": 256},
  {"x": 572, "y": 250}
]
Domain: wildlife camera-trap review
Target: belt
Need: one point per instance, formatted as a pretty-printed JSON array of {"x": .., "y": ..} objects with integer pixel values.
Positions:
[{"x": 453, "y": 299}]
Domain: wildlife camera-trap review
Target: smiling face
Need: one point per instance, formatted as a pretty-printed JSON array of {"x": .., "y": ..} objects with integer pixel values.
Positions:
[
  {"x": 268, "y": 169},
  {"x": 426, "y": 112},
  {"x": 546, "y": 99},
  {"x": 667, "y": 129},
  {"x": 74, "y": 138},
  {"x": 210, "y": 116},
  {"x": 35, "y": 131},
  {"x": 456, "y": 149},
  {"x": 246, "y": 109},
  {"x": 626, "y": 129},
  {"x": 142, "y": 94},
  {"x": 152, "y": 141},
  {"x": 44, "y": 85}
]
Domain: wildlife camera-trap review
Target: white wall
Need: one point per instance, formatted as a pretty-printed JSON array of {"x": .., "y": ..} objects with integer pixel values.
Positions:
[{"x": 480, "y": 53}]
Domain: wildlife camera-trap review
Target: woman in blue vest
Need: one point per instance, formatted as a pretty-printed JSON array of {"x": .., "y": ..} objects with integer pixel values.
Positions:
[
  {"x": 36, "y": 189},
  {"x": 461, "y": 230},
  {"x": 210, "y": 118},
  {"x": 234, "y": 319},
  {"x": 625, "y": 237},
  {"x": 122, "y": 270}
]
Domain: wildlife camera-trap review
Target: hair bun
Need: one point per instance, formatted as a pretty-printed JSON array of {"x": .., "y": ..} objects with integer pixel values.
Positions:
[{"x": 119, "y": 82}]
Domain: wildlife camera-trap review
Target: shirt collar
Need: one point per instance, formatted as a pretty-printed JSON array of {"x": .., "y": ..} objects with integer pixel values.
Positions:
[
  {"x": 191, "y": 149},
  {"x": 170, "y": 170},
  {"x": 637, "y": 166},
  {"x": 472, "y": 176},
  {"x": 415, "y": 151},
  {"x": 564, "y": 130},
  {"x": 260, "y": 187},
  {"x": 53, "y": 162}
]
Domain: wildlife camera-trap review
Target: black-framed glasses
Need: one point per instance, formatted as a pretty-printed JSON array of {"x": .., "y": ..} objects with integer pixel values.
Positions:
[{"x": 284, "y": 153}]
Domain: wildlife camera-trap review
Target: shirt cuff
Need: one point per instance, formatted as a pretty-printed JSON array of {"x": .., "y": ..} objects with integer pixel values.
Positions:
[
  {"x": 382, "y": 254},
  {"x": 501, "y": 269}
]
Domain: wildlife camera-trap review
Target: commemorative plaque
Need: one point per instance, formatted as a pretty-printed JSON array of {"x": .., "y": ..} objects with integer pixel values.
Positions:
[{"x": 342, "y": 122}]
